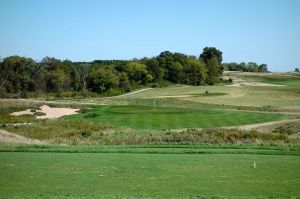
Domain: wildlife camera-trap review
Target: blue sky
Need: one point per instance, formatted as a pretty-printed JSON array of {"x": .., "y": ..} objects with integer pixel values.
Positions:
[{"x": 263, "y": 31}]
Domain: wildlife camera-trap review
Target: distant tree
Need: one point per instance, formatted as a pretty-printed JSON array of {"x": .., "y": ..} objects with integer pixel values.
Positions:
[
  {"x": 138, "y": 72},
  {"x": 154, "y": 69},
  {"x": 79, "y": 76},
  {"x": 212, "y": 57},
  {"x": 252, "y": 67},
  {"x": 263, "y": 68},
  {"x": 101, "y": 80},
  {"x": 249, "y": 67},
  {"x": 19, "y": 74},
  {"x": 55, "y": 80},
  {"x": 56, "y": 77},
  {"x": 165, "y": 60},
  {"x": 175, "y": 72},
  {"x": 297, "y": 70},
  {"x": 210, "y": 52},
  {"x": 242, "y": 67},
  {"x": 213, "y": 68},
  {"x": 195, "y": 72},
  {"x": 124, "y": 83}
]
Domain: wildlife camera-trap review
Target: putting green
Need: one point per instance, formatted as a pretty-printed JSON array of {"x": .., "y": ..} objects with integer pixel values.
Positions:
[{"x": 147, "y": 117}]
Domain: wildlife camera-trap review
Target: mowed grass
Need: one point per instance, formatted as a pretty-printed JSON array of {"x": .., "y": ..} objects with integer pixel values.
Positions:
[
  {"x": 281, "y": 98},
  {"x": 150, "y": 117},
  {"x": 147, "y": 175}
]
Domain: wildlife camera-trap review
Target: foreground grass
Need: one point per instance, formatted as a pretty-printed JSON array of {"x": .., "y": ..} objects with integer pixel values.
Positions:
[
  {"x": 160, "y": 149},
  {"x": 30, "y": 174}
]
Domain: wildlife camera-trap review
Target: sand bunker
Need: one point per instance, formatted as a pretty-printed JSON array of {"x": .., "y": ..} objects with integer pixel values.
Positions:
[
  {"x": 237, "y": 83},
  {"x": 50, "y": 113}
]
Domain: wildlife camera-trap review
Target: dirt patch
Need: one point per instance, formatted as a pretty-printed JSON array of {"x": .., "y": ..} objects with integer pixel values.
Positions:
[
  {"x": 6, "y": 137},
  {"x": 50, "y": 113}
]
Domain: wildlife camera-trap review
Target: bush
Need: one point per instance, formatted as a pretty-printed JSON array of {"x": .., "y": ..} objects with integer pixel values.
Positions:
[
  {"x": 91, "y": 115},
  {"x": 39, "y": 113}
]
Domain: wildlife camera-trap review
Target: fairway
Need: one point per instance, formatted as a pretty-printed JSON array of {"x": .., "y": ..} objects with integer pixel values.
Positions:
[
  {"x": 141, "y": 175},
  {"x": 150, "y": 117}
]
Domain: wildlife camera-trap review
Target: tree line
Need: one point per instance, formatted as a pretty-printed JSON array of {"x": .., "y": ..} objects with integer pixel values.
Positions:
[
  {"x": 245, "y": 67},
  {"x": 21, "y": 76}
]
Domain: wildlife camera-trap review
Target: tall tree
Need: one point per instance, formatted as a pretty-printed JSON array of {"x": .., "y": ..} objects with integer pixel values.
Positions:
[
  {"x": 138, "y": 72},
  {"x": 212, "y": 57},
  {"x": 102, "y": 79},
  {"x": 18, "y": 74},
  {"x": 195, "y": 72},
  {"x": 210, "y": 52},
  {"x": 154, "y": 69}
]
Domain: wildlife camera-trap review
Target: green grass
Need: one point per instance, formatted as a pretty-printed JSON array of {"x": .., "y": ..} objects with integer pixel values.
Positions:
[
  {"x": 279, "y": 79},
  {"x": 159, "y": 149},
  {"x": 148, "y": 117},
  {"x": 147, "y": 175}
]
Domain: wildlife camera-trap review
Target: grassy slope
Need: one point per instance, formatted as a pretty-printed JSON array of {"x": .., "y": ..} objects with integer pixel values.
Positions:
[
  {"x": 166, "y": 175},
  {"x": 285, "y": 97}
]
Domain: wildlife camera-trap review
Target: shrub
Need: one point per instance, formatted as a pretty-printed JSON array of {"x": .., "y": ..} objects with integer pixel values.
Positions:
[
  {"x": 39, "y": 113},
  {"x": 91, "y": 115}
]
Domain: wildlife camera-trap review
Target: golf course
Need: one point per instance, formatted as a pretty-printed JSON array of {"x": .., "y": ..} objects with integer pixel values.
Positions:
[
  {"x": 234, "y": 141},
  {"x": 149, "y": 99}
]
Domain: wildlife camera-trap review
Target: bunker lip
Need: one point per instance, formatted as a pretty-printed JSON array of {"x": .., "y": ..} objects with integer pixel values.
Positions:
[{"x": 50, "y": 113}]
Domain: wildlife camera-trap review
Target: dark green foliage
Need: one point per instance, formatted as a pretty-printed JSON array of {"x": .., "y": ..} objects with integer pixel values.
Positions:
[
  {"x": 211, "y": 52},
  {"x": 102, "y": 80},
  {"x": 249, "y": 67},
  {"x": 212, "y": 57},
  {"x": 21, "y": 77},
  {"x": 39, "y": 114}
]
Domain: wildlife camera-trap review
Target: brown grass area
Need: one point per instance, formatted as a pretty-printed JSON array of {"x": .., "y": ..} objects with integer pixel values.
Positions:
[{"x": 6, "y": 137}]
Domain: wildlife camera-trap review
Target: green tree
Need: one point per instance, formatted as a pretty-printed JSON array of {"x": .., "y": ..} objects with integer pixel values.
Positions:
[
  {"x": 124, "y": 83},
  {"x": 19, "y": 74},
  {"x": 55, "y": 75},
  {"x": 263, "y": 68},
  {"x": 195, "y": 72},
  {"x": 154, "y": 69},
  {"x": 211, "y": 52},
  {"x": 55, "y": 80},
  {"x": 138, "y": 72},
  {"x": 213, "y": 68},
  {"x": 212, "y": 57},
  {"x": 102, "y": 79},
  {"x": 175, "y": 72}
]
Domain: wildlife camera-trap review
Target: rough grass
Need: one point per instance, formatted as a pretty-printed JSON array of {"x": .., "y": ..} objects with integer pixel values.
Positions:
[{"x": 91, "y": 133}]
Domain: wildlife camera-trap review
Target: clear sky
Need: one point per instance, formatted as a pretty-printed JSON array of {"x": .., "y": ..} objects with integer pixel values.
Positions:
[{"x": 263, "y": 31}]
